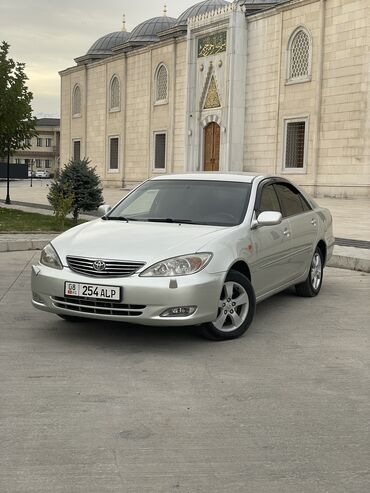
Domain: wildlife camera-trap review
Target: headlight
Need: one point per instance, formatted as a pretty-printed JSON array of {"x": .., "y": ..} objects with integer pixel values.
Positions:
[
  {"x": 179, "y": 266},
  {"x": 49, "y": 257}
]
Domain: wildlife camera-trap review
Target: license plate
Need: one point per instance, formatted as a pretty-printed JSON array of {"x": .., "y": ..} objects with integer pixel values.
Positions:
[{"x": 93, "y": 291}]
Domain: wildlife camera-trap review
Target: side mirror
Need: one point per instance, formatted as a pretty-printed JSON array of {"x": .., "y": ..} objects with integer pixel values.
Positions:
[
  {"x": 267, "y": 218},
  {"x": 103, "y": 210}
]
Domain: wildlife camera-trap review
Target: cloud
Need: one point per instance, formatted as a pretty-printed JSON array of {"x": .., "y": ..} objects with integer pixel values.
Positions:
[{"x": 48, "y": 34}]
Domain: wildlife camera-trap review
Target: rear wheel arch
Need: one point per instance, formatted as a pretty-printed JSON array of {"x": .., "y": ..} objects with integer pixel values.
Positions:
[{"x": 323, "y": 248}]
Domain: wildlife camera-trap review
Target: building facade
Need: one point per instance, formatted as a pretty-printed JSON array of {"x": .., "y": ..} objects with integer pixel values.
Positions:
[
  {"x": 271, "y": 86},
  {"x": 44, "y": 151}
]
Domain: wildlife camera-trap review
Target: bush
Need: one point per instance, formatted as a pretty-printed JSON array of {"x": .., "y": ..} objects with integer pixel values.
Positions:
[
  {"x": 79, "y": 179},
  {"x": 61, "y": 198}
]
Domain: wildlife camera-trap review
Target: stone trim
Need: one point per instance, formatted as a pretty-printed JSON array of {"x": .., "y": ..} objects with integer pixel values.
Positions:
[
  {"x": 208, "y": 16},
  {"x": 209, "y": 119}
]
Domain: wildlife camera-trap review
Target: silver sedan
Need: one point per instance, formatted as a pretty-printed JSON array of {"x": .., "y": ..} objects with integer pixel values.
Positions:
[{"x": 195, "y": 249}]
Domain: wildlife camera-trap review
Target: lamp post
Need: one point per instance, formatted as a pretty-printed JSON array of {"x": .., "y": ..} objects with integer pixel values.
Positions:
[
  {"x": 7, "y": 200},
  {"x": 31, "y": 162}
]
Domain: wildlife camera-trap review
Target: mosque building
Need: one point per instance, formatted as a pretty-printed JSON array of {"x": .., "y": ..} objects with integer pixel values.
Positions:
[{"x": 267, "y": 86}]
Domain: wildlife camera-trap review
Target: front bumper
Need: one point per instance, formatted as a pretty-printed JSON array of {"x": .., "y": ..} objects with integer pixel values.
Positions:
[{"x": 144, "y": 298}]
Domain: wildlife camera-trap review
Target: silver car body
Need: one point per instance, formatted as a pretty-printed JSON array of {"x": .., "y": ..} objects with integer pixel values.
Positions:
[{"x": 275, "y": 258}]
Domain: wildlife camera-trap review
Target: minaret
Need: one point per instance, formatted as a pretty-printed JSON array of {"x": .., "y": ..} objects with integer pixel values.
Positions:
[{"x": 124, "y": 30}]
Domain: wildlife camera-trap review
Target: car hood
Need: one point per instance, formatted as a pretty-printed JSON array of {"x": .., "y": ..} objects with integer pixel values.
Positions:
[{"x": 142, "y": 242}]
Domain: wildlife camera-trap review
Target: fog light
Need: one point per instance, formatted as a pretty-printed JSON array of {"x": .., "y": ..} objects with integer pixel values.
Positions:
[
  {"x": 37, "y": 298},
  {"x": 179, "y": 311}
]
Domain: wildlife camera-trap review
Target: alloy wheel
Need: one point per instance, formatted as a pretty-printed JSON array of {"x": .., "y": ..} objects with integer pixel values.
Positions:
[
  {"x": 233, "y": 307},
  {"x": 316, "y": 271}
]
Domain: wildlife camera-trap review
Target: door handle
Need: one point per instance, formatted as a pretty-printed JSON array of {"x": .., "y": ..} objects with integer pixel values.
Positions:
[{"x": 286, "y": 233}]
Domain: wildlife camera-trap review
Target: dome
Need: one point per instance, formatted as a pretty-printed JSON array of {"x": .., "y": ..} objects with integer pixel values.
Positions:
[
  {"x": 147, "y": 31},
  {"x": 201, "y": 8},
  {"x": 104, "y": 45}
]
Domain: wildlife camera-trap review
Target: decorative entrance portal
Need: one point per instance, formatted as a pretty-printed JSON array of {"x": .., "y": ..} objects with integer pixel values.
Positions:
[{"x": 212, "y": 147}]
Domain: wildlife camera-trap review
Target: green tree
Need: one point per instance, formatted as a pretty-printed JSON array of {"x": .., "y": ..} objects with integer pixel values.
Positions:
[
  {"x": 17, "y": 125},
  {"x": 82, "y": 181}
]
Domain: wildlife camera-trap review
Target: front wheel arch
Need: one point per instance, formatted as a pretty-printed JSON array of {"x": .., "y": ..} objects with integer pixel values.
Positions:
[{"x": 242, "y": 267}]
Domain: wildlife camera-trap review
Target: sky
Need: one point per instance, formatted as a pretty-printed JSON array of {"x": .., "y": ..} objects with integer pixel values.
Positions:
[{"x": 48, "y": 34}]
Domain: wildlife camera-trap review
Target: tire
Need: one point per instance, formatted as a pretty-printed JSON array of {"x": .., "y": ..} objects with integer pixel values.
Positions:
[
  {"x": 239, "y": 315},
  {"x": 312, "y": 285},
  {"x": 71, "y": 319}
]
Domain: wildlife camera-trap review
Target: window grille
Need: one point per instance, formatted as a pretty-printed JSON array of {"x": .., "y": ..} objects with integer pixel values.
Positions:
[
  {"x": 76, "y": 150},
  {"x": 295, "y": 144},
  {"x": 162, "y": 84},
  {"x": 299, "y": 56},
  {"x": 113, "y": 153},
  {"x": 76, "y": 101},
  {"x": 160, "y": 151},
  {"x": 114, "y": 94}
]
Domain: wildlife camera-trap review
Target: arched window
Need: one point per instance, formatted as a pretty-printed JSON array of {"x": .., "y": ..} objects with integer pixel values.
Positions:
[
  {"x": 161, "y": 84},
  {"x": 76, "y": 101},
  {"x": 114, "y": 97},
  {"x": 299, "y": 52}
]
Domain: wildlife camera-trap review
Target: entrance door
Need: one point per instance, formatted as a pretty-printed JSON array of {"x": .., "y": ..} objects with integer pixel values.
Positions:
[{"x": 212, "y": 147}]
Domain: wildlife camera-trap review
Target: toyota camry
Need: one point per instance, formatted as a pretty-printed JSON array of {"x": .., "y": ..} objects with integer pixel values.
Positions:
[{"x": 193, "y": 249}]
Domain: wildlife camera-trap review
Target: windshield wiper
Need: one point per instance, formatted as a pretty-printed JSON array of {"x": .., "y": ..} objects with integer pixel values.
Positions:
[
  {"x": 170, "y": 220},
  {"x": 118, "y": 218}
]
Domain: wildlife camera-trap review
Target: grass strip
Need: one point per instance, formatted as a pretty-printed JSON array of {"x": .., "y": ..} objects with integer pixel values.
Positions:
[{"x": 14, "y": 220}]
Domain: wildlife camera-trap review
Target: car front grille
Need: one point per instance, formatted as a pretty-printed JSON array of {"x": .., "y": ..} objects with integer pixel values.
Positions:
[
  {"x": 109, "y": 268},
  {"x": 98, "y": 307}
]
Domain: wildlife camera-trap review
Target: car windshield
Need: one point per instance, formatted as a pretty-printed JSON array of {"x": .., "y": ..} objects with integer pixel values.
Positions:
[{"x": 217, "y": 203}]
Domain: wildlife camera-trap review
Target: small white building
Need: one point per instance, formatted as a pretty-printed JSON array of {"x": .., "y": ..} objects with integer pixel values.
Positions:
[{"x": 278, "y": 86}]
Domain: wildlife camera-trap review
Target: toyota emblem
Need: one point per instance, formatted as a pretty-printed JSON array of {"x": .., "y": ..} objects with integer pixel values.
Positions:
[{"x": 99, "y": 265}]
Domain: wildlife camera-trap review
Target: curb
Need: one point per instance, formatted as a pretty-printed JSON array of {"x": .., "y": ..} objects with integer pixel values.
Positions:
[
  {"x": 22, "y": 245},
  {"x": 349, "y": 263},
  {"x": 337, "y": 261}
]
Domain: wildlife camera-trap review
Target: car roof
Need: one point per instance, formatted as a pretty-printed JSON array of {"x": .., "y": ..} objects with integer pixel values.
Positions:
[{"x": 213, "y": 176}]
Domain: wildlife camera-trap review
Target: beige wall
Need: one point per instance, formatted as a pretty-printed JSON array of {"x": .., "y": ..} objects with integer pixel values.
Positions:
[
  {"x": 262, "y": 93},
  {"x": 138, "y": 118},
  {"x": 339, "y": 126},
  {"x": 344, "y": 136},
  {"x": 335, "y": 100}
]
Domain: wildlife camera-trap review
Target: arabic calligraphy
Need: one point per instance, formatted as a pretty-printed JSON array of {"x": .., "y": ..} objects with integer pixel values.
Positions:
[{"x": 212, "y": 44}]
